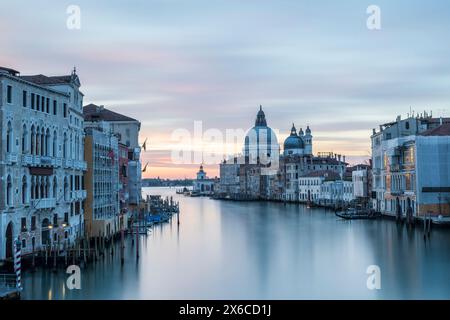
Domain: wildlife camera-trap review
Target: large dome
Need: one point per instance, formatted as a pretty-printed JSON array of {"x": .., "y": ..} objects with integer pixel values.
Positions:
[
  {"x": 260, "y": 141},
  {"x": 293, "y": 144}
]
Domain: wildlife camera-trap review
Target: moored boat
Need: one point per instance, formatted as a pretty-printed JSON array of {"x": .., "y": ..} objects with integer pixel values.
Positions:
[{"x": 353, "y": 214}]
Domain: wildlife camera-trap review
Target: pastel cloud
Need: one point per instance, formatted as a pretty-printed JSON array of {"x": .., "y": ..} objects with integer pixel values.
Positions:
[{"x": 171, "y": 62}]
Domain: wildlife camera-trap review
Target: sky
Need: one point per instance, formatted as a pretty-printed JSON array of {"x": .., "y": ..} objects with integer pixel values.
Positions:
[{"x": 169, "y": 63}]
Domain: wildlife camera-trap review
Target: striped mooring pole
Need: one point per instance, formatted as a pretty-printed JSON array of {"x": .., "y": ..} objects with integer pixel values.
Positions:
[{"x": 18, "y": 262}]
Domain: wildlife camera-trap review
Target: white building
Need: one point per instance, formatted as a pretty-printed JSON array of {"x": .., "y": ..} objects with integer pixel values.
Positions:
[
  {"x": 336, "y": 192},
  {"x": 309, "y": 187},
  {"x": 41, "y": 161},
  {"x": 203, "y": 185},
  {"x": 361, "y": 179}
]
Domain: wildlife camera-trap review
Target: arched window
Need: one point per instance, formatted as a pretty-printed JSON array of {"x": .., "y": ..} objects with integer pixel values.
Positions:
[
  {"x": 42, "y": 142},
  {"x": 38, "y": 141},
  {"x": 71, "y": 147},
  {"x": 55, "y": 143},
  {"x": 9, "y": 137},
  {"x": 55, "y": 188},
  {"x": 33, "y": 191},
  {"x": 32, "y": 139},
  {"x": 66, "y": 189},
  {"x": 47, "y": 187},
  {"x": 65, "y": 146},
  {"x": 24, "y": 139},
  {"x": 24, "y": 189},
  {"x": 47, "y": 142},
  {"x": 42, "y": 187},
  {"x": 9, "y": 191}
]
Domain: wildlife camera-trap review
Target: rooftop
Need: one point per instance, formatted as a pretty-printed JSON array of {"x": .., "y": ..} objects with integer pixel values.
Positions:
[
  {"x": 442, "y": 130},
  {"x": 45, "y": 80},
  {"x": 93, "y": 112},
  {"x": 9, "y": 71},
  {"x": 327, "y": 174}
]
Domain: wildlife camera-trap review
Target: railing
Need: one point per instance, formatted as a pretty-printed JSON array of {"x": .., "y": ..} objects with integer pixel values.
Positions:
[
  {"x": 68, "y": 163},
  {"x": 11, "y": 157},
  {"x": 78, "y": 194},
  {"x": 80, "y": 164},
  {"x": 44, "y": 203}
]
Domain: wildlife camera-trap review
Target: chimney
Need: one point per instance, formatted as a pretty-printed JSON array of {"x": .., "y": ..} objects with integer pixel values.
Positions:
[
  {"x": 440, "y": 121},
  {"x": 343, "y": 158}
]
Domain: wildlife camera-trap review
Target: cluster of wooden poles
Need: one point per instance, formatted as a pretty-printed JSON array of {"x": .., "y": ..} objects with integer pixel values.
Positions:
[{"x": 82, "y": 252}]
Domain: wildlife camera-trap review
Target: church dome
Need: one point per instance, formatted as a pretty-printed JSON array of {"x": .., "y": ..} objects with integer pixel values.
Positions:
[
  {"x": 294, "y": 141},
  {"x": 260, "y": 141},
  {"x": 294, "y": 144}
]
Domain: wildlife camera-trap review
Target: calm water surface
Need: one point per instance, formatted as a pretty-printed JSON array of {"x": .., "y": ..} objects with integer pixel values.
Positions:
[{"x": 237, "y": 250}]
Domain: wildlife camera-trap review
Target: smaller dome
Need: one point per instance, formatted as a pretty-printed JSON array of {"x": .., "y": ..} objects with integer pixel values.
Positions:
[
  {"x": 294, "y": 141},
  {"x": 308, "y": 130},
  {"x": 300, "y": 133}
]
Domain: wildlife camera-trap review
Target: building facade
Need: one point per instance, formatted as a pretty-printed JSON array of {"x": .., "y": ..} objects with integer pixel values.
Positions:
[
  {"x": 126, "y": 130},
  {"x": 41, "y": 161},
  {"x": 410, "y": 166},
  {"x": 102, "y": 209}
]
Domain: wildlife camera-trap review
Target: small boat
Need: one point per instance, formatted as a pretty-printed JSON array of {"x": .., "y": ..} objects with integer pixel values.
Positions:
[
  {"x": 182, "y": 191},
  {"x": 195, "y": 194},
  {"x": 353, "y": 214}
]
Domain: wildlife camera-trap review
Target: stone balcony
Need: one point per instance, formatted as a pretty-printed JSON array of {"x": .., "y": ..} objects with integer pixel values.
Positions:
[
  {"x": 43, "y": 203},
  {"x": 38, "y": 161},
  {"x": 11, "y": 158},
  {"x": 78, "y": 195}
]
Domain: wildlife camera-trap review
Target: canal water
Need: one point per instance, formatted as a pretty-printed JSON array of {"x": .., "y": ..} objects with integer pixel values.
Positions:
[{"x": 255, "y": 250}]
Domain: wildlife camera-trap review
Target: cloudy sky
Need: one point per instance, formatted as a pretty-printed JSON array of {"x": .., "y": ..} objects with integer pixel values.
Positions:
[{"x": 169, "y": 63}]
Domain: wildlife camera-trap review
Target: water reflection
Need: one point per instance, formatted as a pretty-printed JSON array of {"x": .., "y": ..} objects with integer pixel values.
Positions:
[{"x": 251, "y": 250}]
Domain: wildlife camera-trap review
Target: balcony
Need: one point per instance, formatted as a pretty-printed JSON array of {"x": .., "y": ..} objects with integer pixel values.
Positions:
[
  {"x": 80, "y": 165},
  {"x": 78, "y": 194},
  {"x": 46, "y": 161},
  {"x": 68, "y": 163},
  {"x": 58, "y": 162},
  {"x": 43, "y": 203},
  {"x": 39, "y": 161},
  {"x": 11, "y": 158}
]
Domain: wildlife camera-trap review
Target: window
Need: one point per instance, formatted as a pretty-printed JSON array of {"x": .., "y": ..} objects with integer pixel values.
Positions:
[
  {"x": 24, "y": 189},
  {"x": 48, "y": 105},
  {"x": 38, "y": 102},
  {"x": 24, "y": 99},
  {"x": 32, "y": 101},
  {"x": 24, "y": 224},
  {"x": 55, "y": 220},
  {"x": 65, "y": 110},
  {"x": 9, "y": 137},
  {"x": 54, "y": 107},
  {"x": 9, "y": 191},
  {"x": 9, "y": 94},
  {"x": 43, "y": 104},
  {"x": 33, "y": 223},
  {"x": 407, "y": 125}
]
